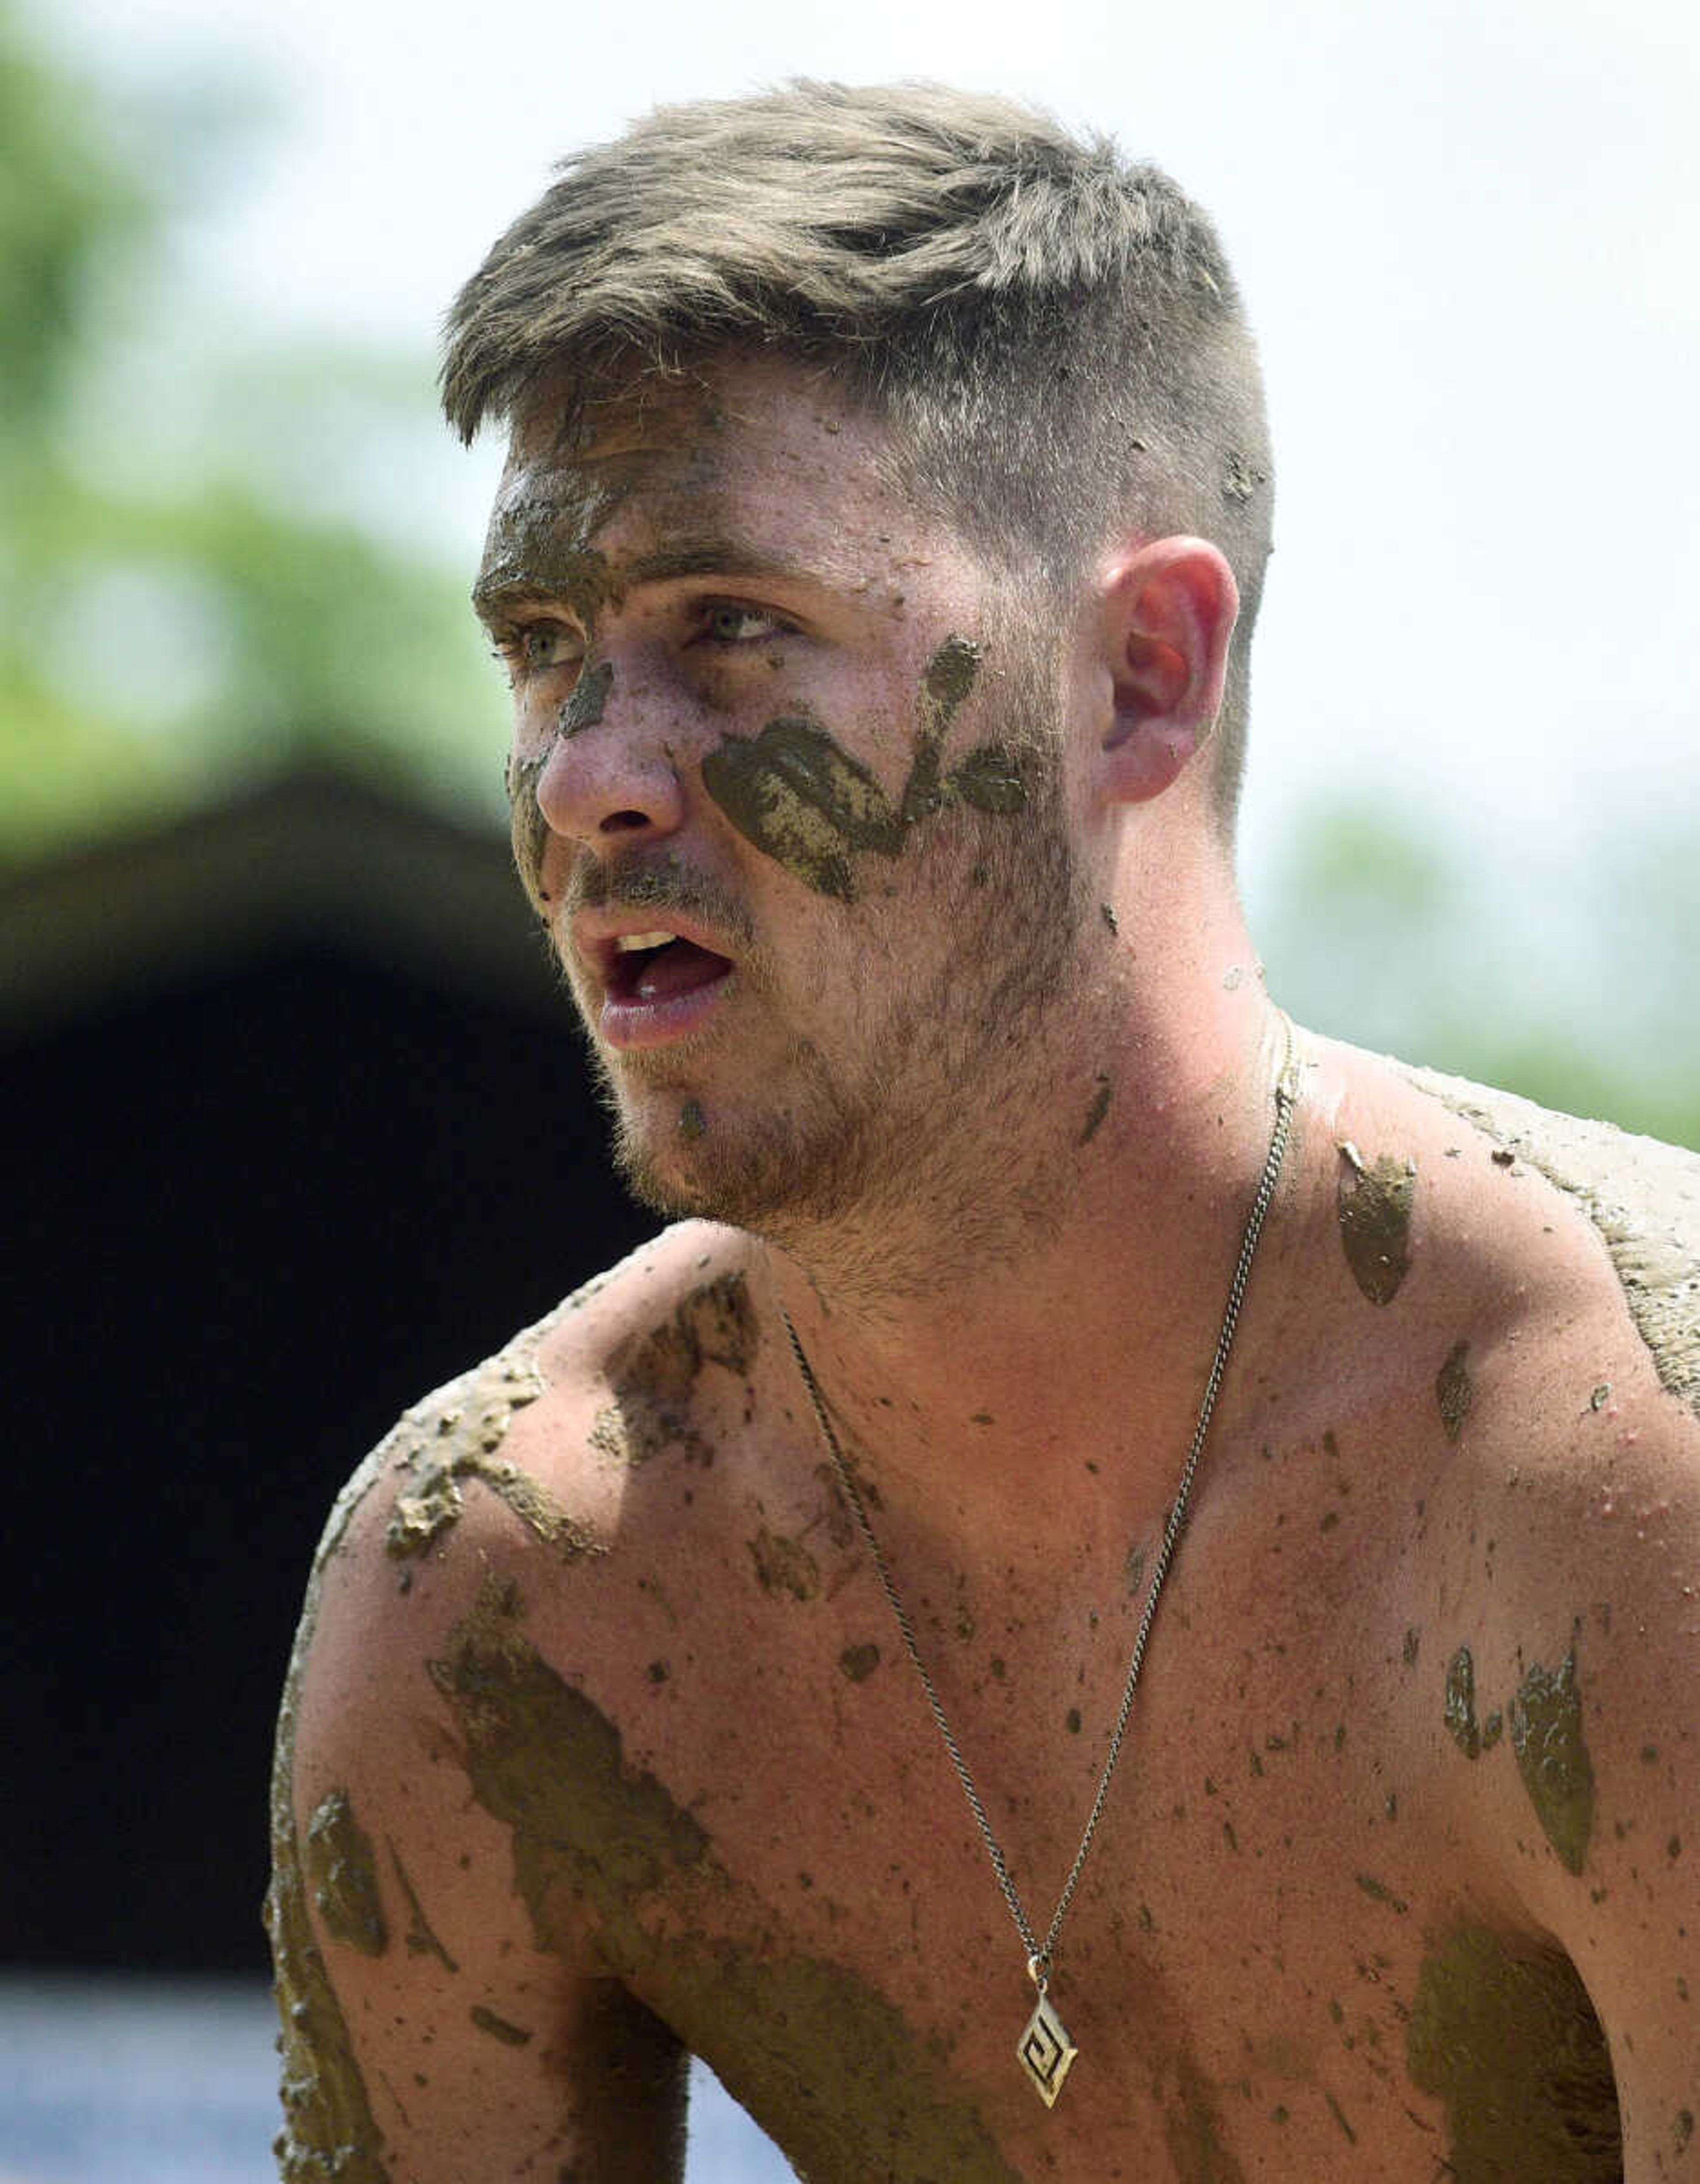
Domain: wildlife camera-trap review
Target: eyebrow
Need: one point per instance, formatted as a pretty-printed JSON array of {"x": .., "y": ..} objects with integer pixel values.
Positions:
[
  {"x": 706, "y": 556},
  {"x": 714, "y": 557}
]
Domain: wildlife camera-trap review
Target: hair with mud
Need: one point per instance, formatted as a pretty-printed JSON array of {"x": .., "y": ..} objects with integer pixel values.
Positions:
[{"x": 1051, "y": 333}]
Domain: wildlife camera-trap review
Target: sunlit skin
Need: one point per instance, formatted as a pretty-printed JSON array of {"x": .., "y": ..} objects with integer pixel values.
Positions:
[
  {"x": 988, "y": 1097},
  {"x": 731, "y": 589}
]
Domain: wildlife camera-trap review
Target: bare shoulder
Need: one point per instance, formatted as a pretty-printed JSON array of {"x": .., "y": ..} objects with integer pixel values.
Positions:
[
  {"x": 1565, "y": 1552},
  {"x": 1493, "y": 1204},
  {"x": 1641, "y": 1197},
  {"x": 462, "y": 1817},
  {"x": 554, "y": 1425}
]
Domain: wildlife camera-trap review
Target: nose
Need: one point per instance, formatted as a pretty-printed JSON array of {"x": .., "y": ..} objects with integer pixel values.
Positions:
[{"x": 609, "y": 777}]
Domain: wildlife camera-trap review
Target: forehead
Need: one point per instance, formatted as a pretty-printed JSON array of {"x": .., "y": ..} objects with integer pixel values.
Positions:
[{"x": 762, "y": 451}]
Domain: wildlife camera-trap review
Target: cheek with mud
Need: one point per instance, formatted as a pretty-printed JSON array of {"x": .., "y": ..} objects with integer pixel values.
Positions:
[
  {"x": 803, "y": 801},
  {"x": 527, "y": 829},
  {"x": 589, "y": 700}
]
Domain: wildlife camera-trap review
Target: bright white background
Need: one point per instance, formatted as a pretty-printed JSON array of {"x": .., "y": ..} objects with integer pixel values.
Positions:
[{"x": 1469, "y": 235}]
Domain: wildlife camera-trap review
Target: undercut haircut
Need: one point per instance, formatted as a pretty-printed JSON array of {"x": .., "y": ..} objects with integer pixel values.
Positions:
[{"x": 1050, "y": 333}]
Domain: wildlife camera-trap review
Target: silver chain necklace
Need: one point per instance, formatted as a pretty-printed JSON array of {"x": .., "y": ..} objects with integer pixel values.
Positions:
[{"x": 1044, "y": 2049}]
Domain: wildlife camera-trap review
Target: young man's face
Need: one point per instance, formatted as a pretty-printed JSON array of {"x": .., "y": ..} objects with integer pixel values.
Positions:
[{"x": 783, "y": 792}]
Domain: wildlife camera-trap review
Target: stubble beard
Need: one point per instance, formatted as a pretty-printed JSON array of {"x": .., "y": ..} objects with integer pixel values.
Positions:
[{"x": 917, "y": 1154}]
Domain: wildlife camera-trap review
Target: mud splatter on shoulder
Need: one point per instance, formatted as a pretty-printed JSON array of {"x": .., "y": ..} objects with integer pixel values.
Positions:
[
  {"x": 1642, "y": 1198},
  {"x": 1373, "y": 1204},
  {"x": 1508, "y": 2039},
  {"x": 859, "y": 1662},
  {"x": 422, "y": 1936},
  {"x": 653, "y": 1377},
  {"x": 1553, "y": 1757},
  {"x": 1193, "y": 2133},
  {"x": 458, "y": 1436}
]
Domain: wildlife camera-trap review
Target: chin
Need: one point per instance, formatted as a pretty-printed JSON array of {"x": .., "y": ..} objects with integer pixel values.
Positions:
[{"x": 774, "y": 1177}]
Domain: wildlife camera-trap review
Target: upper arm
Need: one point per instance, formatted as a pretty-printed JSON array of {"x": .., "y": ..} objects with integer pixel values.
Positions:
[
  {"x": 1606, "y": 1739},
  {"x": 448, "y": 2010}
]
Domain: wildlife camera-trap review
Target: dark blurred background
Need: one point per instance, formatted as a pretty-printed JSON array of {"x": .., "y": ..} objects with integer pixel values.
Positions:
[
  {"x": 296, "y": 1130},
  {"x": 295, "y": 1123}
]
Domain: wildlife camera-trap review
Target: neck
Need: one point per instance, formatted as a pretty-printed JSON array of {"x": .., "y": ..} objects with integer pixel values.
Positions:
[{"x": 1040, "y": 1398}]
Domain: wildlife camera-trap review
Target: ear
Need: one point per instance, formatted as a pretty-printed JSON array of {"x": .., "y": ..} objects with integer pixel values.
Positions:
[{"x": 1169, "y": 607}]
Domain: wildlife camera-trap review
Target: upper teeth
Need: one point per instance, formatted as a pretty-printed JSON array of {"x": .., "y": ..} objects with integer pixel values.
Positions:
[{"x": 628, "y": 943}]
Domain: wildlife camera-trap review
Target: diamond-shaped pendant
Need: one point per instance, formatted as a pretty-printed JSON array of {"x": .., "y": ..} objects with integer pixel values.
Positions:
[{"x": 1046, "y": 2052}]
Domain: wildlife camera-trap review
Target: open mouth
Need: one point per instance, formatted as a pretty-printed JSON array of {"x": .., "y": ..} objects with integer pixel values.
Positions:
[{"x": 649, "y": 967}]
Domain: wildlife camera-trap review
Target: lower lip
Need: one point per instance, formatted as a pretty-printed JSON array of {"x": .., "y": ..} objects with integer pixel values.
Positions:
[{"x": 632, "y": 1024}]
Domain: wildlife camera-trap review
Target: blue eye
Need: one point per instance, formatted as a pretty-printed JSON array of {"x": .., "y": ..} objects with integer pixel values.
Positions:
[
  {"x": 545, "y": 645},
  {"x": 527, "y": 649},
  {"x": 728, "y": 623}
]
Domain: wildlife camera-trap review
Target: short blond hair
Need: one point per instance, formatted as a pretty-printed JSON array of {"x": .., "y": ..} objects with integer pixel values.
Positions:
[{"x": 1052, "y": 333}]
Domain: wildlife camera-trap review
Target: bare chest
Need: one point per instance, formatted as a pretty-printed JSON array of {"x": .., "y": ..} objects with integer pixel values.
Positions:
[{"x": 1248, "y": 1947}]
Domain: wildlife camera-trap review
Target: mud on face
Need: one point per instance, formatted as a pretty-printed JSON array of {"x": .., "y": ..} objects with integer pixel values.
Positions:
[{"x": 805, "y": 802}]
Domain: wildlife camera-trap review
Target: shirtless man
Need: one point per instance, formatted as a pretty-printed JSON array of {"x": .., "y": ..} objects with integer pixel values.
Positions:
[{"x": 875, "y": 566}]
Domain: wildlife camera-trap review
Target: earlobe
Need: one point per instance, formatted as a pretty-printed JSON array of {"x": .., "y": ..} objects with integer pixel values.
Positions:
[{"x": 1169, "y": 610}]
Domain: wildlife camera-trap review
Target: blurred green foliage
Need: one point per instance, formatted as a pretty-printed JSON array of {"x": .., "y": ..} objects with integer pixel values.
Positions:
[
  {"x": 1582, "y": 999},
  {"x": 183, "y": 606}
]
